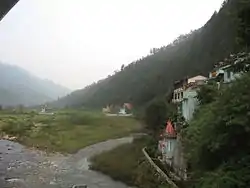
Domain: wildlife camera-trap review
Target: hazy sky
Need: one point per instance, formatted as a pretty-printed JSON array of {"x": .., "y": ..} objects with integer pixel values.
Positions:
[{"x": 76, "y": 42}]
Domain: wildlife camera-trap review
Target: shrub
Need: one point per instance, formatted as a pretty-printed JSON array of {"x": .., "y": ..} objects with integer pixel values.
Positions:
[{"x": 218, "y": 138}]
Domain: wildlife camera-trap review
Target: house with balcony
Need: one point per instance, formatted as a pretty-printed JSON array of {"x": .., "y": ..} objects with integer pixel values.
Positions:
[
  {"x": 178, "y": 90},
  {"x": 184, "y": 95}
]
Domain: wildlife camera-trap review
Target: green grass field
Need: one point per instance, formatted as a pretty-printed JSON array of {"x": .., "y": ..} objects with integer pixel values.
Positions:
[
  {"x": 66, "y": 131},
  {"x": 127, "y": 163}
]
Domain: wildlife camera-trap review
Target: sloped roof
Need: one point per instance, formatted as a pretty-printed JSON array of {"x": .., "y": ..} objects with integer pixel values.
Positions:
[
  {"x": 170, "y": 129},
  {"x": 128, "y": 105},
  {"x": 5, "y": 6},
  {"x": 197, "y": 78}
]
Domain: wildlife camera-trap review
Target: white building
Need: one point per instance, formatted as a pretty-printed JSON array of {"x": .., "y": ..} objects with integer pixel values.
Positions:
[
  {"x": 122, "y": 111},
  {"x": 182, "y": 85},
  {"x": 227, "y": 74},
  {"x": 189, "y": 103},
  {"x": 185, "y": 96}
]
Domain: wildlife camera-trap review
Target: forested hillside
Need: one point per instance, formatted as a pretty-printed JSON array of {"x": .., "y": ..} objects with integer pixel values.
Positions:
[
  {"x": 151, "y": 76},
  {"x": 18, "y": 86}
]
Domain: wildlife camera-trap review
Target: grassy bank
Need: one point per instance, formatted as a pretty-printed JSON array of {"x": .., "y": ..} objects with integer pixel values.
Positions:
[
  {"x": 126, "y": 163},
  {"x": 66, "y": 131}
]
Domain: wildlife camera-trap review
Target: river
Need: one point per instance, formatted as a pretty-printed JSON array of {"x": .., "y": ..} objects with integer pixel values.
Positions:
[{"x": 22, "y": 167}]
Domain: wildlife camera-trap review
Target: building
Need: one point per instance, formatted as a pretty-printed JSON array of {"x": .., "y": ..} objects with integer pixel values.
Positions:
[
  {"x": 197, "y": 79},
  {"x": 117, "y": 110},
  {"x": 181, "y": 85},
  {"x": 167, "y": 143},
  {"x": 185, "y": 95},
  {"x": 190, "y": 102},
  {"x": 46, "y": 111},
  {"x": 106, "y": 110},
  {"x": 122, "y": 111},
  {"x": 171, "y": 150},
  {"x": 178, "y": 90},
  {"x": 231, "y": 69},
  {"x": 128, "y": 106}
]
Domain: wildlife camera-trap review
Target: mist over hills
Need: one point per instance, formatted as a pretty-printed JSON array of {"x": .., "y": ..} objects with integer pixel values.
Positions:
[
  {"x": 153, "y": 75},
  {"x": 18, "y": 86}
]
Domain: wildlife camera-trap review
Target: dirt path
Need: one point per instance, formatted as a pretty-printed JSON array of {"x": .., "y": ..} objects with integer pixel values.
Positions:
[{"x": 25, "y": 168}]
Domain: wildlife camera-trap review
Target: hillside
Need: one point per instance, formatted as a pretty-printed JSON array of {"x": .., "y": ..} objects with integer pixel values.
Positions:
[
  {"x": 153, "y": 75},
  {"x": 18, "y": 86}
]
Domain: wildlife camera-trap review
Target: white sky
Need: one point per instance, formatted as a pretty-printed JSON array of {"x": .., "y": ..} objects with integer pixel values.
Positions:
[{"x": 76, "y": 42}]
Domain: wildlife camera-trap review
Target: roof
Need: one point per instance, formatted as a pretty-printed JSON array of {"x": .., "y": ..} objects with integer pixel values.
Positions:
[
  {"x": 128, "y": 105},
  {"x": 197, "y": 78},
  {"x": 5, "y": 6},
  {"x": 232, "y": 60},
  {"x": 170, "y": 129}
]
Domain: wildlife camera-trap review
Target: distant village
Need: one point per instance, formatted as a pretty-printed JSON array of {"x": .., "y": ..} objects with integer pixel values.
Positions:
[{"x": 116, "y": 110}]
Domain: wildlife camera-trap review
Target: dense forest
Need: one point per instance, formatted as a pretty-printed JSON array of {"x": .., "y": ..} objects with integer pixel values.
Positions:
[{"x": 153, "y": 75}]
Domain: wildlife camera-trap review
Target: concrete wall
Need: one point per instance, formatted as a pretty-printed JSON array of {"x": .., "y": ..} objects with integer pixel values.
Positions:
[
  {"x": 179, "y": 163},
  {"x": 168, "y": 151},
  {"x": 229, "y": 76},
  {"x": 159, "y": 171},
  {"x": 189, "y": 104}
]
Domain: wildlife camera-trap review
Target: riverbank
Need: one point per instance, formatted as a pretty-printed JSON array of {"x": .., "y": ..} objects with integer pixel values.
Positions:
[
  {"x": 65, "y": 131},
  {"x": 127, "y": 163},
  {"x": 24, "y": 167}
]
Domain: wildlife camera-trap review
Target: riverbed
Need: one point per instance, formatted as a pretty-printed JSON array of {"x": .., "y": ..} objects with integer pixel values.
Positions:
[{"x": 29, "y": 168}]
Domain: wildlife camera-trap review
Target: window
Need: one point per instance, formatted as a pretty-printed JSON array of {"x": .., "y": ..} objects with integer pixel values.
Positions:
[
  {"x": 178, "y": 95},
  {"x": 175, "y": 96},
  {"x": 169, "y": 146},
  {"x": 182, "y": 95}
]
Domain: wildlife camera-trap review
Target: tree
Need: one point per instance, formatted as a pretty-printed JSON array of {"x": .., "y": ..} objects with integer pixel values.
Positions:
[
  {"x": 155, "y": 116},
  {"x": 207, "y": 93},
  {"x": 122, "y": 67},
  {"x": 217, "y": 140},
  {"x": 244, "y": 18}
]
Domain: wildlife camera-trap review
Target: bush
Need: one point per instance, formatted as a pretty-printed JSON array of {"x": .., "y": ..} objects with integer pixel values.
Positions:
[
  {"x": 16, "y": 127},
  {"x": 134, "y": 170},
  {"x": 218, "y": 138},
  {"x": 155, "y": 115},
  {"x": 80, "y": 119},
  {"x": 207, "y": 93}
]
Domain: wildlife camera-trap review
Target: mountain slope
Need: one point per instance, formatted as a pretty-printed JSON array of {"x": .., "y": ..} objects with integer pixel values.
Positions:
[
  {"x": 18, "y": 86},
  {"x": 154, "y": 75}
]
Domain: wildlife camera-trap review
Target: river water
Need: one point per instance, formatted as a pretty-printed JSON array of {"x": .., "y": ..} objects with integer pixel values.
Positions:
[{"x": 21, "y": 167}]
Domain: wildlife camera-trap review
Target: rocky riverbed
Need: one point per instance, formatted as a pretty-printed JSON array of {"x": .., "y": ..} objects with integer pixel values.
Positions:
[{"x": 22, "y": 167}]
